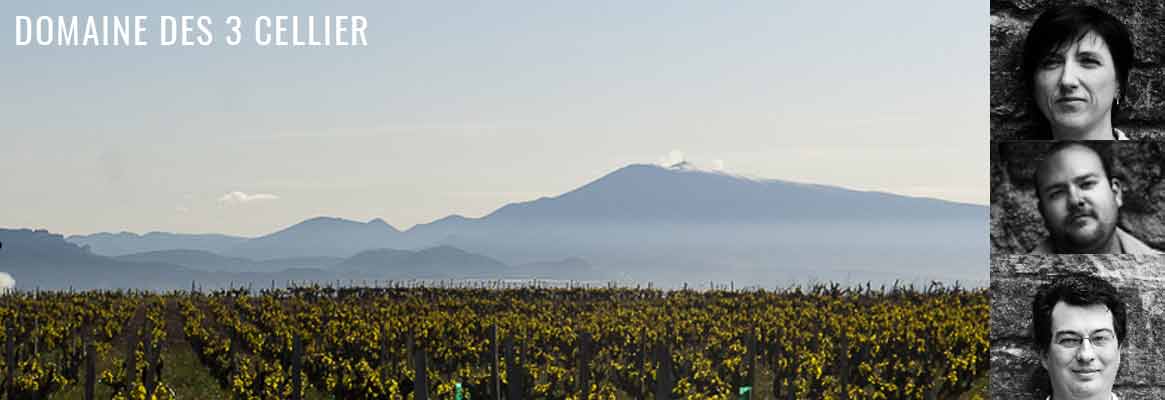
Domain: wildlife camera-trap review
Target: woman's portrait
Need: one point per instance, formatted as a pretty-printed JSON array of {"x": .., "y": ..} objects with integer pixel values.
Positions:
[{"x": 1075, "y": 73}]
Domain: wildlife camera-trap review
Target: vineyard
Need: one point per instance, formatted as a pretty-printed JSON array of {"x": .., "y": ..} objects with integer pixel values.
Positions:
[{"x": 823, "y": 342}]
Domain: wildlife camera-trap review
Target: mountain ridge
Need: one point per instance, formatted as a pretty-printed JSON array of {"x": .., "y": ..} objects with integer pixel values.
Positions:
[{"x": 645, "y": 220}]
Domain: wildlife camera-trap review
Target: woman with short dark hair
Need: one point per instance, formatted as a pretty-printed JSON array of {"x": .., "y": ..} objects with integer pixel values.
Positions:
[{"x": 1075, "y": 70}]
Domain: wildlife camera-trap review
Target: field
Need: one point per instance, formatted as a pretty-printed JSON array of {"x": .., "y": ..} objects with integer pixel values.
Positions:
[{"x": 823, "y": 342}]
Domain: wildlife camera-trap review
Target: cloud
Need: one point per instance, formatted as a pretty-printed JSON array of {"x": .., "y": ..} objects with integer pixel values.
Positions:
[
  {"x": 672, "y": 158},
  {"x": 237, "y": 197},
  {"x": 678, "y": 159}
]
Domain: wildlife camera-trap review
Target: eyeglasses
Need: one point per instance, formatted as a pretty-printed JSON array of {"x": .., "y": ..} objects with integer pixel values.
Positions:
[{"x": 1099, "y": 340}]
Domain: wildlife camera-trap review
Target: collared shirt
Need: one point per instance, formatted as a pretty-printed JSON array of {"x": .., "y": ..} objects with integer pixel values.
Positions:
[
  {"x": 1114, "y": 397},
  {"x": 1118, "y": 135},
  {"x": 1128, "y": 245}
]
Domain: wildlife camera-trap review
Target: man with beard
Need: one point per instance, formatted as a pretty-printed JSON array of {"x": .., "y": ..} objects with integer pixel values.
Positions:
[
  {"x": 1080, "y": 328},
  {"x": 1080, "y": 202}
]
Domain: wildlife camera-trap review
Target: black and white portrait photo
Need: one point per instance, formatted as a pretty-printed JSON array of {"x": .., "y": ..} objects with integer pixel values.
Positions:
[
  {"x": 1077, "y": 197},
  {"x": 1077, "y": 71},
  {"x": 1076, "y": 327}
]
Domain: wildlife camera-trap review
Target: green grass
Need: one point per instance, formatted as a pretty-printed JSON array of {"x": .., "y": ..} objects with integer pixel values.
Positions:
[{"x": 978, "y": 389}]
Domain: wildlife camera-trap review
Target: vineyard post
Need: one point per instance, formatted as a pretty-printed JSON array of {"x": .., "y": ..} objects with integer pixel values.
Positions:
[
  {"x": 10, "y": 359},
  {"x": 90, "y": 368},
  {"x": 663, "y": 374},
  {"x": 384, "y": 364},
  {"x": 296, "y": 367},
  {"x": 420, "y": 364},
  {"x": 69, "y": 355},
  {"x": 151, "y": 361},
  {"x": 640, "y": 354},
  {"x": 751, "y": 358},
  {"x": 35, "y": 335},
  {"x": 584, "y": 364},
  {"x": 513, "y": 377},
  {"x": 932, "y": 353},
  {"x": 147, "y": 377},
  {"x": 494, "y": 381},
  {"x": 410, "y": 354},
  {"x": 524, "y": 354},
  {"x": 131, "y": 359},
  {"x": 844, "y": 367},
  {"x": 156, "y": 364},
  {"x": 790, "y": 378}
]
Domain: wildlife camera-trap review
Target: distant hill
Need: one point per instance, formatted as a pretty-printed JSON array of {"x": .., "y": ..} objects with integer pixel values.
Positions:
[
  {"x": 651, "y": 193},
  {"x": 208, "y": 261},
  {"x": 676, "y": 225},
  {"x": 319, "y": 237},
  {"x": 45, "y": 260},
  {"x": 39, "y": 259},
  {"x": 643, "y": 194},
  {"x": 672, "y": 225},
  {"x": 116, "y": 244}
]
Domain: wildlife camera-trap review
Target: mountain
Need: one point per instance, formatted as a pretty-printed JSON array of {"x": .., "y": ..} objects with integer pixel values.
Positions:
[
  {"x": 432, "y": 263},
  {"x": 208, "y": 261},
  {"x": 40, "y": 259},
  {"x": 650, "y": 194},
  {"x": 116, "y": 244},
  {"x": 671, "y": 225},
  {"x": 319, "y": 237},
  {"x": 677, "y": 225},
  {"x": 45, "y": 260}
]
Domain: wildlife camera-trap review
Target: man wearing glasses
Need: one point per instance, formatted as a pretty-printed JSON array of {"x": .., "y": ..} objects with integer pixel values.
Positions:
[{"x": 1079, "y": 329}]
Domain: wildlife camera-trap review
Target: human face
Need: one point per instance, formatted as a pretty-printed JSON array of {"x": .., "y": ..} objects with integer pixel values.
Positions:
[
  {"x": 1075, "y": 88},
  {"x": 1078, "y": 201},
  {"x": 1079, "y": 368}
]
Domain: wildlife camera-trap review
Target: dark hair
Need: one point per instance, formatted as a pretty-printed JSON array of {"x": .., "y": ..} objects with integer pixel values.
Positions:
[
  {"x": 1077, "y": 290},
  {"x": 1062, "y": 26},
  {"x": 1102, "y": 148}
]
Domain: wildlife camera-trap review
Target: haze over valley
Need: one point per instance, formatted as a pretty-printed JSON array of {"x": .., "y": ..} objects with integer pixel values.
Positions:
[{"x": 640, "y": 224}]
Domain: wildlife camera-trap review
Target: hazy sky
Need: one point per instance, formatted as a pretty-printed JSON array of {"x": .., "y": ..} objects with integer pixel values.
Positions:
[{"x": 462, "y": 107}]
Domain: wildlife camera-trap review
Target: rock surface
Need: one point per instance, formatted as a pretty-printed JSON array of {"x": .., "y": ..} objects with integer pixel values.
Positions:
[
  {"x": 1015, "y": 368},
  {"x": 1016, "y": 224},
  {"x": 1145, "y": 107}
]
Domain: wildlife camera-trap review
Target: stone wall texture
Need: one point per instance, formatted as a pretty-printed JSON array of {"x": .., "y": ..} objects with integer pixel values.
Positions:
[
  {"x": 1145, "y": 108},
  {"x": 1016, "y": 373},
  {"x": 1016, "y": 225}
]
